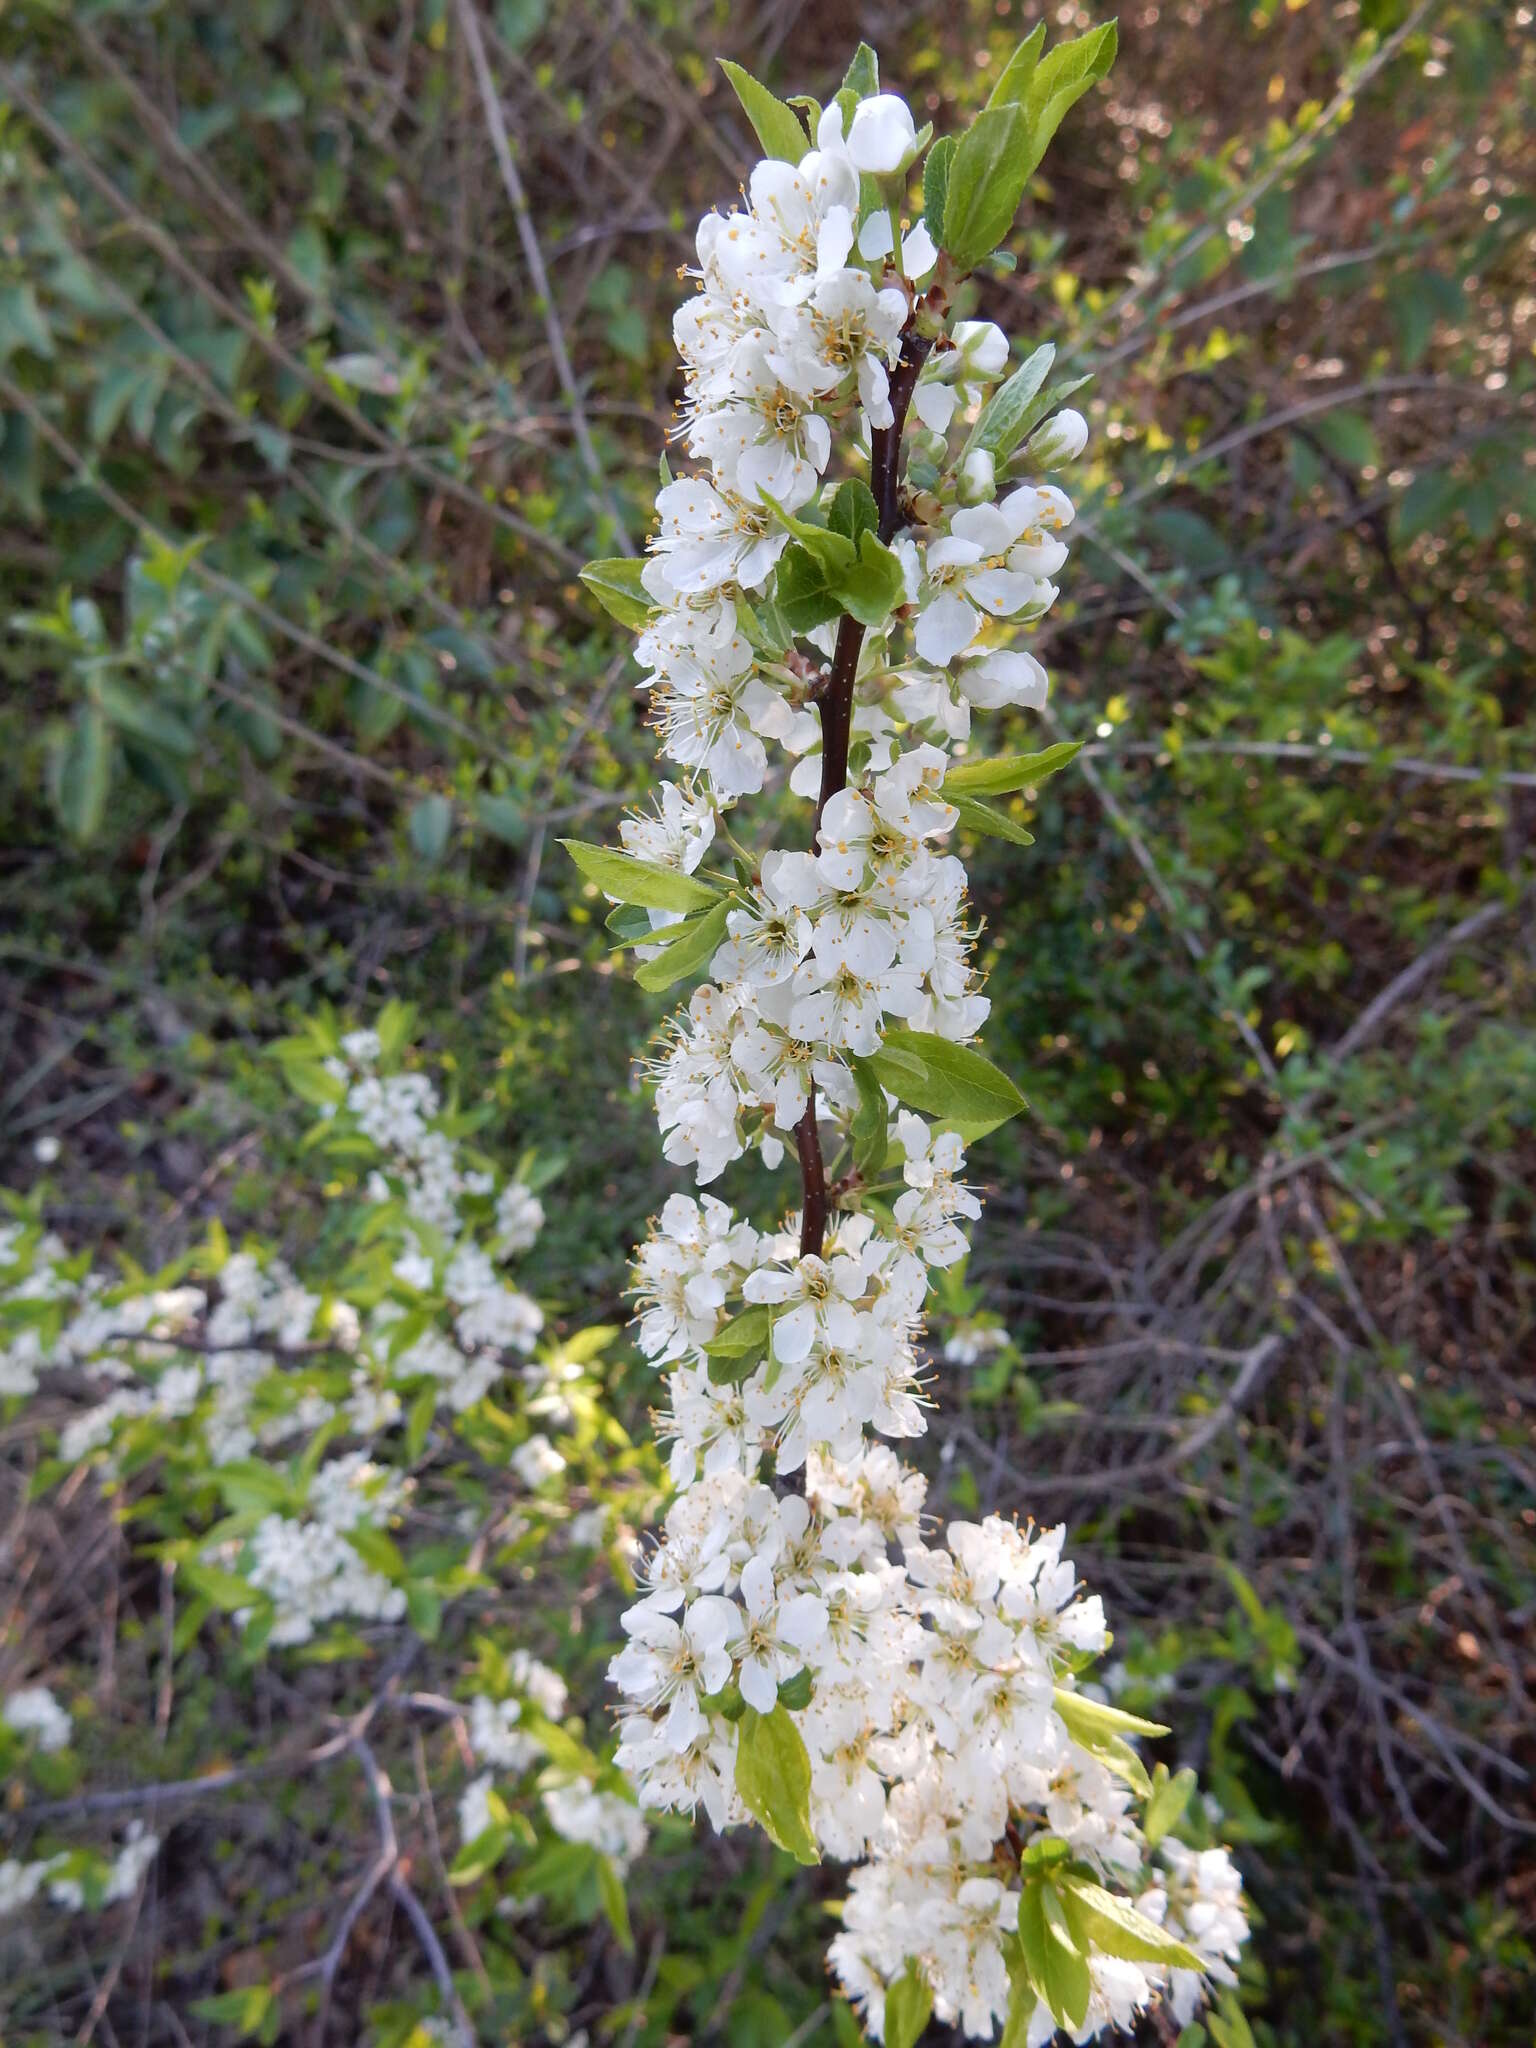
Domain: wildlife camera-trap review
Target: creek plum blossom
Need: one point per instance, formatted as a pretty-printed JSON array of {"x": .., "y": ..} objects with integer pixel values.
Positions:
[{"x": 808, "y": 1647}]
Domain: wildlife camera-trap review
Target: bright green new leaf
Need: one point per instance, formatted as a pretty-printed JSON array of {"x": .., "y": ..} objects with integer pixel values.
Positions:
[
  {"x": 936, "y": 185},
  {"x": 853, "y": 510},
  {"x": 998, "y": 428},
  {"x": 777, "y": 126},
  {"x": 862, "y": 78},
  {"x": 795, "y": 1692},
  {"x": 873, "y": 586},
  {"x": 1008, "y": 772},
  {"x": 618, "y": 589},
  {"x": 1094, "y": 1724},
  {"x": 688, "y": 952},
  {"x": 871, "y": 1121},
  {"x": 773, "y": 1776},
  {"x": 1099, "y": 1919},
  {"x": 803, "y": 591},
  {"x": 1165, "y": 1808},
  {"x": 1060, "y": 80},
  {"x": 610, "y": 1891},
  {"x": 957, "y": 1082},
  {"x": 629, "y": 880},
  {"x": 1057, "y": 1971},
  {"x": 987, "y": 174},
  {"x": 993, "y": 824},
  {"x": 1014, "y": 80},
  {"x": 908, "y": 2008},
  {"x": 736, "y": 1348}
]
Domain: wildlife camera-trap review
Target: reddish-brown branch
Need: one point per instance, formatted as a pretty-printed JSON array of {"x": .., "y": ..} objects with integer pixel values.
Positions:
[{"x": 837, "y": 729}]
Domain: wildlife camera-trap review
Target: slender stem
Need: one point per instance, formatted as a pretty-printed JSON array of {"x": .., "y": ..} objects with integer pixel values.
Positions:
[{"x": 837, "y": 730}]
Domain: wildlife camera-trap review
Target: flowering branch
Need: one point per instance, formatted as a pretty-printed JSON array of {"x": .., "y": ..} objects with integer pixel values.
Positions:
[{"x": 924, "y": 1719}]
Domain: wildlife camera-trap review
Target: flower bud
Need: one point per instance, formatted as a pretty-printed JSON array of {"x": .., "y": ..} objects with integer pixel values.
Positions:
[
  {"x": 1061, "y": 439},
  {"x": 978, "y": 478},
  {"x": 882, "y": 138},
  {"x": 983, "y": 348}
]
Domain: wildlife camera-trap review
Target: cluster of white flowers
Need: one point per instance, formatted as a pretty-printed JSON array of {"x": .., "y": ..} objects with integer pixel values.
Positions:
[
  {"x": 75, "y": 1879},
  {"x": 257, "y": 1360},
  {"x": 34, "y": 1712},
  {"x": 803, "y": 1650}
]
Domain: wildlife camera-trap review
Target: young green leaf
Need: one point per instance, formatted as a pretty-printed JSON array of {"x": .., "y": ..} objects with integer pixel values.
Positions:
[
  {"x": 690, "y": 949},
  {"x": 777, "y": 126},
  {"x": 987, "y": 174},
  {"x": 871, "y": 1122},
  {"x": 993, "y": 824},
  {"x": 610, "y": 1892},
  {"x": 873, "y": 586},
  {"x": 803, "y": 591},
  {"x": 629, "y": 880},
  {"x": 908, "y": 2008},
  {"x": 957, "y": 1082},
  {"x": 853, "y": 510},
  {"x": 773, "y": 1776},
  {"x": 1060, "y": 80},
  {"x": 998, "y": 429},
  {"x": 1058, "y": 1972},
  {"x": 936, "y": 185},
  {"x": 1014, "y": 79},
  {"x": 1094, "y": 1724},
  {"x": 1099, "y": 1919},
  {"x": 862, "y": 78},
  {"x": 1008, "y": 772},
  {"x": 1165, "y": 1808},
  {"x": 738, "y": 1345},
  {"x": 616, "y": 585},
  {"x": 79, "y": 774}
]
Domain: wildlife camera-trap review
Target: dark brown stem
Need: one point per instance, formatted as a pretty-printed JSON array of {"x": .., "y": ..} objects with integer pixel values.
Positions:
[{"x": 837, "y": 728}]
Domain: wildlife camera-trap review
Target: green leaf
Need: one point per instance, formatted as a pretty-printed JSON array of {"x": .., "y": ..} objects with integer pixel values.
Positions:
[
  {"x": 148, "y": 721},
  {"x": 862, "y": 78},
  {"x": 1228, "y": 2027},
  {"x": 737, "y": 1346},
  {"x": 853, "y": 511},
  {"x": 871, "y": 1121},
  {"x": 957, "y": 1082},
  {"x": 22, "y": 323},
  {"x": 502, "y": 816},
  {"x": 773, "y": 1776},
  {"x": 80, "y": 774},
  {"x": 246, "y": 2010},
  {"x": 1099, "y": 1919},
  {"x": 994, "y": 824},
  {"x": 776, "y": 126},
  {"x": 795, "y": 1692},
  {"x": 629, "y": 880},
  {"x": 610, "y": 1890},
  {"x": 1060, "y": 80},
  {"x": 1017, "y": 74},
  {"x": 803, "y": 591},
  {"x": 1165, "y": 1808},
  {"x": 1094, "y": 1724},
  {"x": 1008, "y": 772},
  {"x": 1058, "y": 1972},
  {"x": 908, "y": 2008},
  {"x": 1349, "y": 438},
  {"x": 936, "y": 185},
  {"x": 616, "y": 585},
  {"x": 429, "y": 824},
  {"x": 694, "y": 946},
  {"x": 220, "y": 1589},
  {"x": 379, "y": 1552},
  {"x": 418, "y": 1422},
  {"x": 873, "y": 587},
  {"x": 986, "y": 180},
  {"x": 481, "y": 1854},
  {"x": 1001, "y": 425}
]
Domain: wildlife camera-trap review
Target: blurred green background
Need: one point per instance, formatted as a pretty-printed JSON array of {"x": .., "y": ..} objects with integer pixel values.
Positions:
[{"x": 300, "y": 690}]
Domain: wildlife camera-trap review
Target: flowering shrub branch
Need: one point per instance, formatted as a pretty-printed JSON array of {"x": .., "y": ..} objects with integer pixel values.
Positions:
[{"x": 927, "y": 1719}]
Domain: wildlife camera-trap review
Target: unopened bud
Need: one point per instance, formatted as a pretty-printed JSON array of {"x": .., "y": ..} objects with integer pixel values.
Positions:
[
  {"x": 1061, "y": 439},
  {"x": 983, "y": 348},
  {"x": 978, "y": 478}
]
